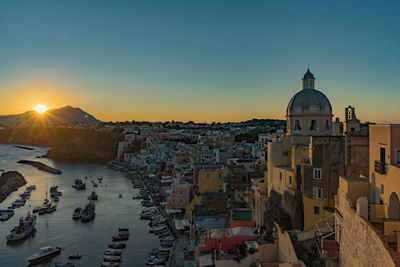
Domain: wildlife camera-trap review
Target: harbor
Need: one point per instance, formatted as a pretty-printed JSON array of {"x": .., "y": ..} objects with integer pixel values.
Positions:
[{"x": 59, "y": 229}]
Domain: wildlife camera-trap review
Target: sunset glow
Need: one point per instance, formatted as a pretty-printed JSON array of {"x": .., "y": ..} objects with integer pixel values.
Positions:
[{"x": 40, "y": 109}]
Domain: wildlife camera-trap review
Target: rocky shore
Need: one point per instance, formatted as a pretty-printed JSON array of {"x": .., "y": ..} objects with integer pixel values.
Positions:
[
  {"x": 9, "y": 182},
  {"x": 40, "y": 166}
]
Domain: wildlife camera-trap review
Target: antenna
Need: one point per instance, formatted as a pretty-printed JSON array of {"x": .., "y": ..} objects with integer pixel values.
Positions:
[{"x": 308, "y": 65}]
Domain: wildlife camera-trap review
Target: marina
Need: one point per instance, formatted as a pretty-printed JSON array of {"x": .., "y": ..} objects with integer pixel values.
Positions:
[{"x": 58, "y": 229}]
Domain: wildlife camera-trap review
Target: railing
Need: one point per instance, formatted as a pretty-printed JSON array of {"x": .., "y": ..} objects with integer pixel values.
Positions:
[{"x": 380, "y": 167}]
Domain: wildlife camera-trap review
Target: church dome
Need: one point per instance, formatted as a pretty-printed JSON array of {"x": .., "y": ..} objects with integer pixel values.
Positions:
[{"x": 307, "y": 99}]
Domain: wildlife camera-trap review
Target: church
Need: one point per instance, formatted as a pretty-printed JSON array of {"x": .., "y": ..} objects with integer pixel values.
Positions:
[{"x": 304, "y": 165}]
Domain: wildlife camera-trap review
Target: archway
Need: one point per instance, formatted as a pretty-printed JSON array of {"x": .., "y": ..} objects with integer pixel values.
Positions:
[{"x": 394, "y": 207}]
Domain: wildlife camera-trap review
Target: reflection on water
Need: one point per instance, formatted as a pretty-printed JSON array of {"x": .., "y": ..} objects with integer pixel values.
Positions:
[{"x": 58, "y": 229}]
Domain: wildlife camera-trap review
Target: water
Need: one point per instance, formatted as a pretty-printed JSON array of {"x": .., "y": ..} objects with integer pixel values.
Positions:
[{"x": 58, "y": 229}]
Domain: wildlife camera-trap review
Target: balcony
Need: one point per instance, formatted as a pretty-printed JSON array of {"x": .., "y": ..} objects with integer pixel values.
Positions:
[{"x": 380, "y": 167}]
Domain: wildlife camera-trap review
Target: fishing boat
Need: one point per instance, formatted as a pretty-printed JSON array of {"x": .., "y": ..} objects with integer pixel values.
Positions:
[
  {"x": 120, "y": 195},
  {"x": 24, "y": 228},
  {"x": 88, "y": 213},
  {"x": 56, "y": 199},
  {"x": 54, "y": 191},
  {"x": 117, "y": 245},
  {"x": 36, "y": 209},
  {"x": 79, "y": 185},
  {"x": 44, "y": 253},
  {"x": 64, "y": 264}
]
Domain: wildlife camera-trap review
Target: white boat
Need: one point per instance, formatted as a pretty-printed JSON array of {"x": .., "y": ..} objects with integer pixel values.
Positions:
[
  {"x": 24, "y": 228},
  {"x": 112, "y": 258},
  {"x": 109, "y": 264},
  {"x": 44, "y": 253},
  {"x": 77, "y": 213},
  {"x": 113, "y": 252}
]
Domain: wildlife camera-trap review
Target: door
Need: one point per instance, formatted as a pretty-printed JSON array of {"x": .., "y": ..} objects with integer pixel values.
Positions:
[{"x": 383, "y": 155}]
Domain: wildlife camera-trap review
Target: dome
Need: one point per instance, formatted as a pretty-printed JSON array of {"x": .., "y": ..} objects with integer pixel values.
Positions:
[{"x": 307, "y": 98}]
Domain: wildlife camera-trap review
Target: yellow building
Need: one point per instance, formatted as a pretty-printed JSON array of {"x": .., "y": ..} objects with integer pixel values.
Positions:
[{"x": 211, "y": 180}]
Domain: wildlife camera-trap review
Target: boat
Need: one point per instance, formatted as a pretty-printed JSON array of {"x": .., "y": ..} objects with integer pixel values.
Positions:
[
  {"x": 117, "y": 245},
  {"x": 120, "y": 195},
  {"x": 79, "y": 185},
  {"x": 120, "y": 238},
  {"x": 77, "y": 213},
  {"x": 6, "y": 214},
  {"x": 64, "y": 264},
  {"x": 25, "y": 227},
  {"x": 30, "y": 188},
  {"x": 75, "y": 256},
  {"x": 93, "y": 196},
  {"x": 112, "y": 258},
  {"x": 109, "y": 264},
  {"x": 88, "y": 213},
  {"x": 44, "y": 253},
  {"x": 54, "y": 191},
  {"x": 56, "y": 199},
  {"x": 51, "y": 208},
  {"x": 36, "y": 209},
  {"x": 113, "y": 252}
]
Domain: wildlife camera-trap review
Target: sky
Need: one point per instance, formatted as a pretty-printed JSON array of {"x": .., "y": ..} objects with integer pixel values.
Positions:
[{"x": 203, "y": 60}]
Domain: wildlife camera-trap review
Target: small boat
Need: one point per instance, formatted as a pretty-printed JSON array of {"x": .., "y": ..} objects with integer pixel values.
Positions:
[
  {"x": 93, "y": 196},
  {"x": 112, "y": 258},
  {"x": 56, "y": 199},
  {"x": 44, "y": 253},
  {"x": 6, "y": 214},
  {"x": 54, "y": 191},
  {"x": 75, "y": 256},
  {"x": 120, "y": 195},
  {"x": 77, "y": 213},
  {"x": 30, "y": 188},
  {"x": 109, "y": 264},
  {"x": 64, "y": 264},
  {"x": 113, "y": 252},
  {"x": 117, "y": 245},
  {"x": 119, "y": 238},
  {"x": 36, "y": 209},
  {"x": 79, "y": 184}
]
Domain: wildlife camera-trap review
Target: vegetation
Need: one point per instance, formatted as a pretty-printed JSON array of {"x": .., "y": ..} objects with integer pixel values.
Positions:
[
  {"x": 283, "y": 220},
  {"x": 86, "y": 145}
]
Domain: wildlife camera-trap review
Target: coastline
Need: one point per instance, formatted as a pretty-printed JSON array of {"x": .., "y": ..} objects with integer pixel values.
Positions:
[
  {"x": 40, "y": 166},
  {"x": 10, "y": 181}
]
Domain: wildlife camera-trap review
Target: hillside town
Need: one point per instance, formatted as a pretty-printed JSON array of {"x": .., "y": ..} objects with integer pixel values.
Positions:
[{"x": 311, "y": 191}]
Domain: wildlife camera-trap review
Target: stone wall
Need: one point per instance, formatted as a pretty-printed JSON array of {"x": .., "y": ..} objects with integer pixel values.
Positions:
[{"x": 360, "y": 244}]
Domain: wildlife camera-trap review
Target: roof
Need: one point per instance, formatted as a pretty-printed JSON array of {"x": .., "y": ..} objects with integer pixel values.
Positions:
[
  {"x": 309, "y": 97},
  {"x": 308, "y": 74},
  {"x": 242, "y": 215}
]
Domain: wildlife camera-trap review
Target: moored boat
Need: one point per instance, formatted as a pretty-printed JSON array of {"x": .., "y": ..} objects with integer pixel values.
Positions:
[
  {"x": 24, "y": 228},
  {"x": 75, "y": 256},
  {"x": 44, "y": 253},
  {"x": 119, "y": 238},
  {"x": 93, "y": 196},
  {"x": 117, "y": 245},
  {"x": 113, "y": 252},
  {"x": 112, "y": 258},
  {"x": 77, "y": 213},
  {"x": 64, "y": 264},
  {"x": 88, "y": 213},
  {"x": 6, "y": 214},
  {"x": 109, "y": 264}
]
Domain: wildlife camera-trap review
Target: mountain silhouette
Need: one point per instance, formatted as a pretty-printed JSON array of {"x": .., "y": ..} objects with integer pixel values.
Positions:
[{"x": 57, "y": 115}]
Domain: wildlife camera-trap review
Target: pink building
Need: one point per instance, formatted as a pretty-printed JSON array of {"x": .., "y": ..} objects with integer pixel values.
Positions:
[{"x": 180, "y": 196}]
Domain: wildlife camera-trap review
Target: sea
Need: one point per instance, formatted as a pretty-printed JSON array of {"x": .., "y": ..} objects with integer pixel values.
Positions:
[{"x": 58, "y": 229}]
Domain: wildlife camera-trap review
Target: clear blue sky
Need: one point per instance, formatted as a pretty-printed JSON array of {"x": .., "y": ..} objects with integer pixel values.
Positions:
[{"x": 199, "y": 60}]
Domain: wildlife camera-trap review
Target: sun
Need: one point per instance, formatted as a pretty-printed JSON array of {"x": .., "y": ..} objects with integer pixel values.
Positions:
[{"x": 40, "y": 109}]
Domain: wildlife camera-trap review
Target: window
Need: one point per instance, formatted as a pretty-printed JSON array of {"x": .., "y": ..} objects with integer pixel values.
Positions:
[
  {"x": 313, "y": 125},
  {"x": 180, "y": 201},
  {"x": 398, "y": 156},
  {"x": 181, "y": 193},
  {"x": 382, "y": 189},
  {"x": 290, "y": 179},
  {"x": 316, "y": 210},
  {"x": 327, "y": 125},
  {"x": 208, "y": 175},
  {"x": 280, "y": 176},
  {"x": 317, "y": 174},
  {"x": 317, "y": 192},
  {"x": 297, "y": 125}
]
